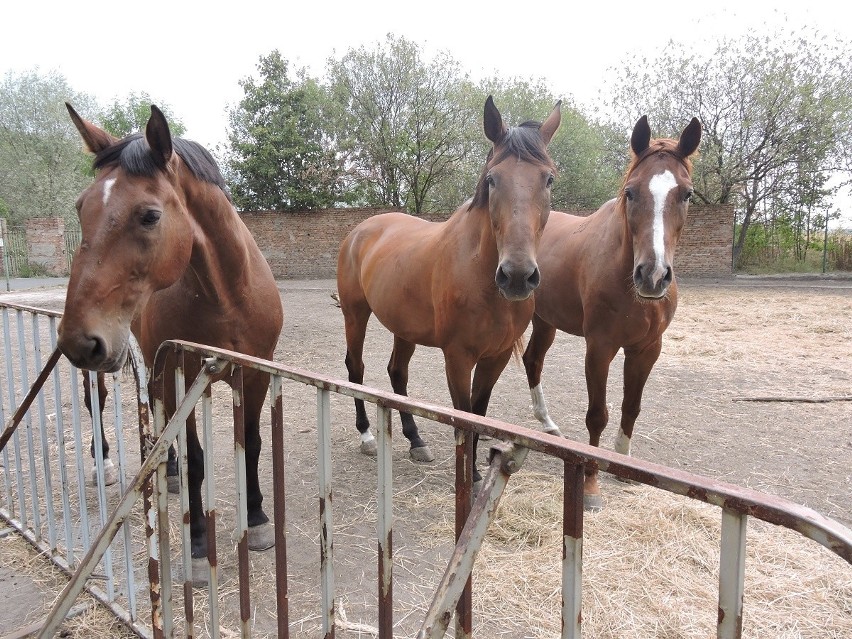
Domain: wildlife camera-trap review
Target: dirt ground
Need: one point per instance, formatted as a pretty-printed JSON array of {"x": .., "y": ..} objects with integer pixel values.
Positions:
[{"x": 731, "y": 339}]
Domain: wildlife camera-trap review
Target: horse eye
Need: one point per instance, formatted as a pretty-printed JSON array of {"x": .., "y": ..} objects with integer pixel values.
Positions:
[
  {"x": 688, "y": 196},
  {"x": 150, "y": 218},
  {"x": 628, "y": 193},
  {"x": 550, "y": 180},
  {"x": 489, "y": 180}
]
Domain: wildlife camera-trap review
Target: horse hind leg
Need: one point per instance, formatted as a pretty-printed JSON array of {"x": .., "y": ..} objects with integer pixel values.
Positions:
[
  {"x": 398, "y": 373},
  {"x": 110, "y": 475},
  {"x": 541, "y": 340},
  {"x": 355, "y": 318}
]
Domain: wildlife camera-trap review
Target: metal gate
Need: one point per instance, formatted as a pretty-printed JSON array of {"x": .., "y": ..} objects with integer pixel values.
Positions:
[{"x": 166, "y": 559}]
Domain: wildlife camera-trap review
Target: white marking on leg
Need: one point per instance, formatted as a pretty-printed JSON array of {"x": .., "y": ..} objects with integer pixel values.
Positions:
[
  {"x": 540, "y": 411},
  {"x": 108, "y": 184},
  {"x": 622, "y": 443},
  {"x": 367, "y": 437},
  {"x": 660, "y": 185}
]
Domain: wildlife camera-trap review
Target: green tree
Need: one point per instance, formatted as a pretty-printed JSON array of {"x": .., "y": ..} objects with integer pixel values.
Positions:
[
  {"x": 401, "y": 125},
  {"x": 43, "y": 166},
  {"x": 590, "y": 157},
  {"x": 121, "y": 118},
  {"x": 775, "y": 110},
  {"x": 279, "y": 155}
]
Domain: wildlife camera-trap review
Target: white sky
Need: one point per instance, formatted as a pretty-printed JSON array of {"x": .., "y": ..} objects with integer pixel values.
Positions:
[{"x": 190, "y": 55}]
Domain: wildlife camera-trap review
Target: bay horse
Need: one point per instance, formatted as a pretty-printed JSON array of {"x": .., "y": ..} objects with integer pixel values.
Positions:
[
  {"x": 464, "y": 285},
  {"x": 164, "y": 255},
  {"x": 609, "y": 278}
]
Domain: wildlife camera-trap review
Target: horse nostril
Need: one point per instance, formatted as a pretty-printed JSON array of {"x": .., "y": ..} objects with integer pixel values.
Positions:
[
  {"x": 667, "y": 278},
  {"x": 501, "y": 278},
  {"x": 535, "y": 278},
  {"x": 96, "y": 348}
]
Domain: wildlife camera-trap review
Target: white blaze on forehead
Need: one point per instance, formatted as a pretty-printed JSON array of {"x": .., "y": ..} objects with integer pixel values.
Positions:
[
  {"x": 660, "y": 185},
  {"x": 108, "y": 184}
]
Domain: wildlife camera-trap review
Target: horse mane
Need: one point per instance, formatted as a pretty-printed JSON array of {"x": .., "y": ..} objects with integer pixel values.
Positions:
[
  {"x": 134, "y": 156},
  {"x": 659, "y": 145},
  {"x": 523, "y": 141}
]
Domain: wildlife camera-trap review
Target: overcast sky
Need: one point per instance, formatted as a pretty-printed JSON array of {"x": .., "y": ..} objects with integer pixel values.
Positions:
[{"x": 190, "y": 55}]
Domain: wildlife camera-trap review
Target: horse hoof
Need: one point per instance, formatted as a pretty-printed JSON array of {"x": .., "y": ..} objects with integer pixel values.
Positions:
[
  {"x": 173, "y": 484},
  {"x": 553, "y": 431},
  {"x": 369, "y": 448},
  {"x": 110, "y": 474},
  {"x": 200, "y": 572},
  {"x": 421, "y": 454},
  {"x": 592, "y": 503},
  {"x": 261, "y": 537}
]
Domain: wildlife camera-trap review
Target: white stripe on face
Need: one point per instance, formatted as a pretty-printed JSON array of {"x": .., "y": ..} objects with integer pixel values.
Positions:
[
  {"x": 660, "y": 185},
  {"x": 108, "y": 184}
]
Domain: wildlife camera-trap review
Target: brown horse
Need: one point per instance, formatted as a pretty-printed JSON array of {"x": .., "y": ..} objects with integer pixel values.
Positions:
[
  {"x": 165, "y": 255},
  {"x": 464, "y": 285},
  {"x": 610, "y": 278}
]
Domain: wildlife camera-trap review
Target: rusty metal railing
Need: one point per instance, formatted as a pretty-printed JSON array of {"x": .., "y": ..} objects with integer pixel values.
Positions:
[{"x": 452, "y": 596}]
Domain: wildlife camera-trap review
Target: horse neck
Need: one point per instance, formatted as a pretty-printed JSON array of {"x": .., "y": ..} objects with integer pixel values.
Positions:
[
  {"x": 219, "y": 261},
  {"x": 471, "y": 229}
]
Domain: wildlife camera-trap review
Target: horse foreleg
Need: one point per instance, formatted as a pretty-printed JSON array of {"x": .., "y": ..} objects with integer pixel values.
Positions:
[
  {"x": 355, "y": 321},
  {"x": 637, "y": 367},
  {"x": 110, "y": 471},
  {"x": 261, "y": 534},
  {"x": 598, "y": 359},
  {"x": 541, "y": 340},
  {"x": 459, "y": 368},
  {"x": 195, "y": 477},
  {"x": 398, "y": 373},
  {"x": 488, "y": 371}
]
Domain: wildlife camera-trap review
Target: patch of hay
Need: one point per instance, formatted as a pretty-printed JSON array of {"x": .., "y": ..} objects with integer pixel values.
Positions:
[{"x": 650, "y": 570}]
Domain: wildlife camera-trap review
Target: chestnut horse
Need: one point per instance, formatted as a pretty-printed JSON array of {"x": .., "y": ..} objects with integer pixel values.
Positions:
[
  {"x": 165, "y": 255},
  {"x": 464, "y": 285},
  {"x": 610, "y": 278}
]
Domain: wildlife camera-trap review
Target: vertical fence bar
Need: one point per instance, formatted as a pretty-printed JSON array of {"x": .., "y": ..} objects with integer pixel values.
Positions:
[
  {"x": 19, "y": 470},
  {"x": 44, "y": 439},
  {"x": 572, "y": 551},
  {"x": 78, "y": 459},
  {"x": 279, "y": 504},
  {"x": 210, "y": 515},
  {"x": 7, "y": 354},
  {"x": 22, "y": 360},
  {"x": 122, "y": 483},
  {"x": 185, "y": 536},
  {"x": 464, "y": 483},
  {"x": 326, "y": 526},
  {"x": 162, "y": 610},
  {"x": 385, "y": 521},
  {"x": 100, "y": 486},
  {"x": 242, "y": 498},
  {"x": 731, "y": 575},
  {"x": 64, "y": 487}
]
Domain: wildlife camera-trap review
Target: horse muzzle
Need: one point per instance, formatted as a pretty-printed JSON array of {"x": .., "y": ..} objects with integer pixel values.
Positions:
[
  {"x": 652, "y": 281},
  {"x": 91, "y": 351},
  {"x": 517, "y": 282}
]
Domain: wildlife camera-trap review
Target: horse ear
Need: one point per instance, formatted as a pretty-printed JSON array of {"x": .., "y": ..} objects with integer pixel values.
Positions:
[
  {"x": 158, "y": 136},
  {"x": 641, "y": 137},
  {"x": 549, "y": 126},
  {"x": 95, "y": 138},
  {"x": 690, "y": 138},
  {"x": 494, "y": 127}
]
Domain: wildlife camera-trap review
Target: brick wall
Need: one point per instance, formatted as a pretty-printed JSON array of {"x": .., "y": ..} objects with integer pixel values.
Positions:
[
  {"x": 46, "y": 244},
  {"x": 304, "y": 245}
]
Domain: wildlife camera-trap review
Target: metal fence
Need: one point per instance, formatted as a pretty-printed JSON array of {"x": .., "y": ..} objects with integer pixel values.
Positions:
[{"x": 31, "y": 469}]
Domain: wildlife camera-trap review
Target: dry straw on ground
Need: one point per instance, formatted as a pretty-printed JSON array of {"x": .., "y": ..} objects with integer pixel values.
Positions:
[{"x": 650, "y": 570}]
